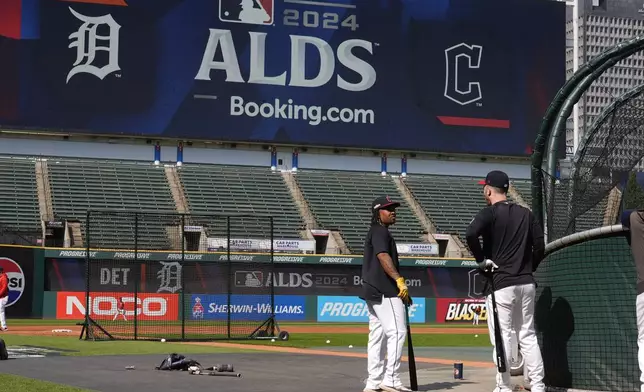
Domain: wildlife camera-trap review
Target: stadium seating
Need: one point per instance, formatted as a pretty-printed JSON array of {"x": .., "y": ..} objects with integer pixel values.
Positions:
[
  {"x": 19, "y": 208},
  {"x": 524, "y": 188},
  {"x": 234, "y": 190},
  {"x": 450, "y": 201},
  {"x": 340, "y": 200},
  {"x": 78, "y": 185}
]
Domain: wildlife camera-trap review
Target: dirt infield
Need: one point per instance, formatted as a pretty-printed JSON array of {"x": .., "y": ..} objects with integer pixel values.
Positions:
[
  {"x": 310, "y": 351},
  {"x": 58, "y": 330}
]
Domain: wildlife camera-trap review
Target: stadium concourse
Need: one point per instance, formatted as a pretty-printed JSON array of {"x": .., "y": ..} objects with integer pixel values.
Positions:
[{"x": 63, "y": 189}]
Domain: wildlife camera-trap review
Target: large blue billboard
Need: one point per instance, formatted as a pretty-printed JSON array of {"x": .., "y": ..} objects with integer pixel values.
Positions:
[
  {"x": 349, "y": 309},
  {"x": 247, "y": 307},
  {"x": 463, "y": 76}
]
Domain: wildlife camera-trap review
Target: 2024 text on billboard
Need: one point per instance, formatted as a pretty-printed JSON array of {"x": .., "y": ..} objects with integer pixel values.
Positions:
[{"x": 280, "y": 107}]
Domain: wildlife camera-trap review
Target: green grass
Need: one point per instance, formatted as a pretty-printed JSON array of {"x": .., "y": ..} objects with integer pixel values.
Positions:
[
  {"x": 360, "y": 340},
  {"x": 13, "y": 383},
  {"x": 283, "y": 325},
  {"x": 77, "y": 347}
]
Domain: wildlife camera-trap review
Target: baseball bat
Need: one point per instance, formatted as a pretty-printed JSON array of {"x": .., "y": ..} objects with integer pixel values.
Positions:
[
  {"x": 413, "y": 378},
  {"x": 500, "y": 350},
  {"x": 219, "y": 374}
]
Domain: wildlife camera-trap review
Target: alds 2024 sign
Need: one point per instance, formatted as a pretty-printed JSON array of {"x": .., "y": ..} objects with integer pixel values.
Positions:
[{"x": 436, "y": 75}]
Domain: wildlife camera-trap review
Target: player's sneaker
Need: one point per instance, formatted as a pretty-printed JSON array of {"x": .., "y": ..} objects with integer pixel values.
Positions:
[{"x": 371, "y": 390}]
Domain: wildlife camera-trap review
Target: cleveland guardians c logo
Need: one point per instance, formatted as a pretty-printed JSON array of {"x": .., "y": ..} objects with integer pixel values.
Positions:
[{"x": 456, "y": 57}]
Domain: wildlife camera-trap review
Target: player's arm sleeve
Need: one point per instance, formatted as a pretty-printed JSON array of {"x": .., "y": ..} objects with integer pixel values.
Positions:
[
  {"x": 538, "y": 244},
  {"x": 478, "y": 225}
]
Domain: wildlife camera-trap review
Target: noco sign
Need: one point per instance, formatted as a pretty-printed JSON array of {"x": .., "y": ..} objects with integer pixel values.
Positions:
[
  {"x": 290, "y": 72},
  {"x": 105, "y": 306}
]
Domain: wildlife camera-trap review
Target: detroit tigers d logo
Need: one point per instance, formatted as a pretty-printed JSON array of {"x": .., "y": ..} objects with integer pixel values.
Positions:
[{"x": 458, "y": 58}]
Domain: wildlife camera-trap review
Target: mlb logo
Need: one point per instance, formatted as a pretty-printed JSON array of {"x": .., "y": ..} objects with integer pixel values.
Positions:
[{"x": 258, "y": 12}]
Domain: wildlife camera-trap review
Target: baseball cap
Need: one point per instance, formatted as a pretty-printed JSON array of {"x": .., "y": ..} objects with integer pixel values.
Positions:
[
  {"x": 383, "y": 202},
  {"x": 497, "y": 179}
]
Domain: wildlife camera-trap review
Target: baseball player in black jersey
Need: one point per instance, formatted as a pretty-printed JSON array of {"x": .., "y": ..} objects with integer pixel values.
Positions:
[
  {"x": 633, "y": 221},
  {"x": 386, "y": 294},
  {"x": 513, "y": 247}
]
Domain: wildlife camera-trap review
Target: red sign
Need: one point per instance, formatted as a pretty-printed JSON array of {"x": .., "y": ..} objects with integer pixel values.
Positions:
[
  {"x": 118, "y": 306},
  {"x": 459, "y": 310}
]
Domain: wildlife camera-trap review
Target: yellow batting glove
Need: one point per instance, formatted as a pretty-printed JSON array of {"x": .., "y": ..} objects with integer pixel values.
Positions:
[{"x": 404, "y": 291}]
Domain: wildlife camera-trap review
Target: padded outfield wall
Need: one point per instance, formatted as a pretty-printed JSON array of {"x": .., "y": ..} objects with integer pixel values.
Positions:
[{"x": 320, "y": 288}]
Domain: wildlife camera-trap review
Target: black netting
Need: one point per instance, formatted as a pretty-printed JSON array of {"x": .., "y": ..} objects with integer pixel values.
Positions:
[{"x": 590, "y": 195}]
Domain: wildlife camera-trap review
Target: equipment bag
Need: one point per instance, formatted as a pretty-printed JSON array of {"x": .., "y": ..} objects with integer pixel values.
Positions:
[{"x": 177, "y": 362}]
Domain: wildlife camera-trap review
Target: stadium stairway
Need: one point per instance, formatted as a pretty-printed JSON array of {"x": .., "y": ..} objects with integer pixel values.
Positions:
[
  {"x": 335, "y": 242},
  {"x": 79, "y": 185},
  {"x": 340, "y": 201},
  {"x": 255, "y": 192},
  {"x": 454, "y": 247}
]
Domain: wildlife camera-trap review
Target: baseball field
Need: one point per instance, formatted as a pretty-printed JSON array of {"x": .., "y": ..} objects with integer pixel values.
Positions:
[{"x": 316, "y": 355}]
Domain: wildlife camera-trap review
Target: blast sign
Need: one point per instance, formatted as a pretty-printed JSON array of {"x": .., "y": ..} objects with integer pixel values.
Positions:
[
  {"x": 291, "y": 72},
  {"x": 460, "y": 310}
]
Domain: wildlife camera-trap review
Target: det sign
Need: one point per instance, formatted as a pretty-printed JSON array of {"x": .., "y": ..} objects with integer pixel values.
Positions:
[
  {"x": 104, "y": 306},
  {"x": 342, "y": 309},
  {"x": 15, "y": 278}
]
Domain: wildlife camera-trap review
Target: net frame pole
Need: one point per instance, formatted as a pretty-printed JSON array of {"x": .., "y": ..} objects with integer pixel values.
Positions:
[
  {"x": 228, "y": 273},
  {"x": 138, "y": 267},
  {"x": 183, "y": 277},
  {"x": 87, "y": 272},
  {"x": 547, "y": 133},
  {"x": 272, "y": 269}
]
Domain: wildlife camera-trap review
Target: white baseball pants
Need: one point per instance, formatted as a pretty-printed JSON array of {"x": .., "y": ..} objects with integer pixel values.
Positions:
[
  {"x": 515, "y": 306},
  {"x": 3, "y": 306},
  {"x": 639, "y": 303},
  {"x": 387, "y": 334}
]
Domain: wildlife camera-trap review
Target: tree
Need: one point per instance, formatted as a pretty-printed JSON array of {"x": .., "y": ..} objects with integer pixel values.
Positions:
[{"x": 633, "y": 193}]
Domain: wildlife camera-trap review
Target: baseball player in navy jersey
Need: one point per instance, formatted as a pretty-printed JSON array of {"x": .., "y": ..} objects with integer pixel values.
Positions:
[
  {"x": 386, "y": 294},
  {"x": 633, "y": 221},
  {"x": 513, "y": 247}
]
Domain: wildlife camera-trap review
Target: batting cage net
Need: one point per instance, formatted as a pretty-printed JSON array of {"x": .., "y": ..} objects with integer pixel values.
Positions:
[
  {"x": 590, "y": 196},
  {"x": 177, "y": 277},
  {"x": 585, "y": 312}
]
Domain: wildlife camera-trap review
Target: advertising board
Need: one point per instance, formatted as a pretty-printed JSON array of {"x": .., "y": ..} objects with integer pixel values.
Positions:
[
  {"x": 252, "y": 278},
  {"x": 247, "y": 307},
  {"x": 104, "y": 306},
  {"x": 460, "y": 310},
  {"x": 291, "y": 72},
  {"x": 346, "y": 309},
  {"x": 18, "y": 264}
]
